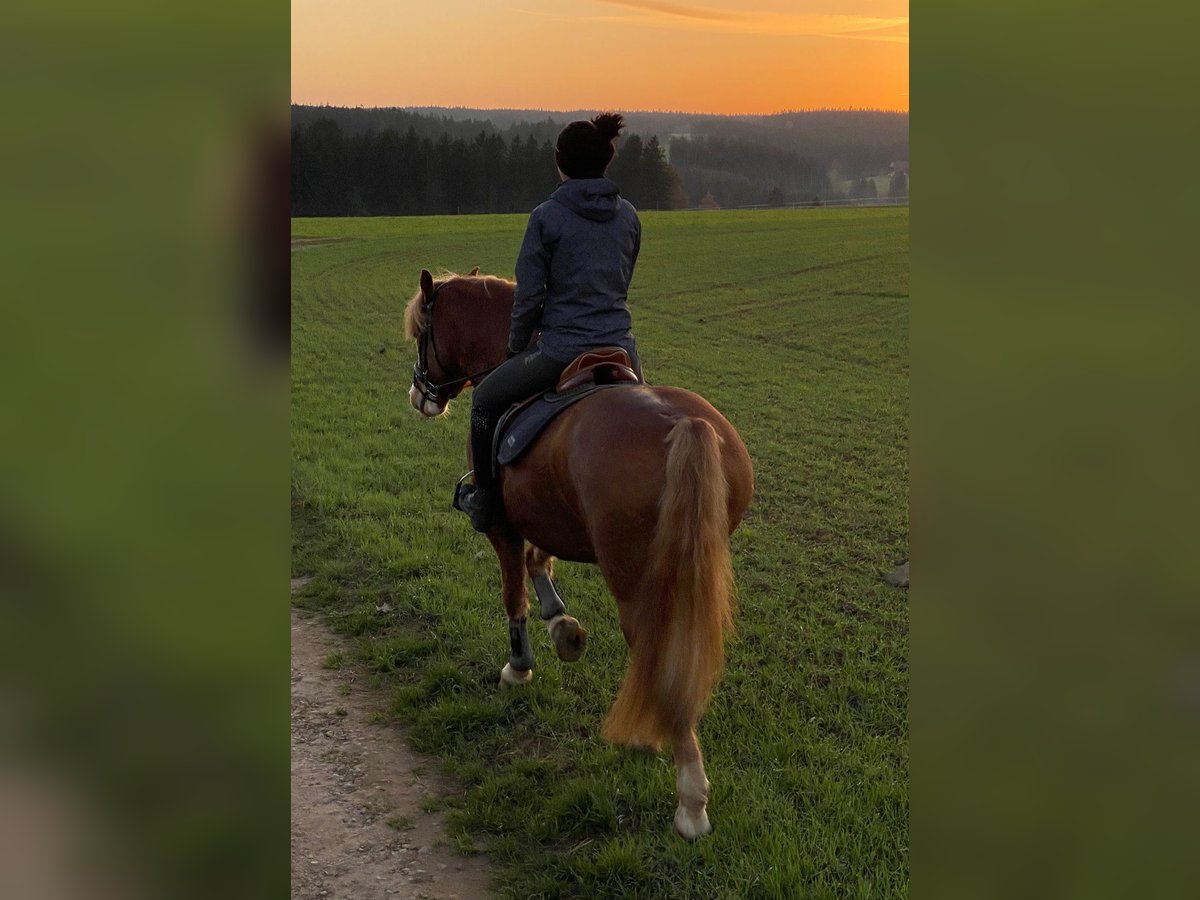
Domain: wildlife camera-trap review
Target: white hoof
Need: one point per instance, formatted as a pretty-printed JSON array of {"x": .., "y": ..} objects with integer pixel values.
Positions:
[
  {"x": 691, "y": 826},
  {"x": 510, "y": 677}
]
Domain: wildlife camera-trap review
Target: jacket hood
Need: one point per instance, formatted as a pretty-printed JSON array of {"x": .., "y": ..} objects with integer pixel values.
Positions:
[{"x": 593, "y": 198}]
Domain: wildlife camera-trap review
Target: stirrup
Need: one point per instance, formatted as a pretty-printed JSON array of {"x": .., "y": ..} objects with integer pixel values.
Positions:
[
  {"x": 479, "y": 504},
  {"x": 459, "y": 488}
]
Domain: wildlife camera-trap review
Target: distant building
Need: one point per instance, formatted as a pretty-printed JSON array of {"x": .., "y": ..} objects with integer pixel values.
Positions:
[{"x": 901, "y": 166}]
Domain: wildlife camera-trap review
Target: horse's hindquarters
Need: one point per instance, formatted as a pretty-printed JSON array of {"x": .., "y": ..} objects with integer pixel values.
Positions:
[
  {"x": 595, "y": 476},
  {"x": 600, "y": 459},
  {"x": 648, "y": 482}
]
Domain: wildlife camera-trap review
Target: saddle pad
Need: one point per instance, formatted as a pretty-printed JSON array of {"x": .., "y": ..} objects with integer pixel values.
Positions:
[{"x": 519, "y": 427}]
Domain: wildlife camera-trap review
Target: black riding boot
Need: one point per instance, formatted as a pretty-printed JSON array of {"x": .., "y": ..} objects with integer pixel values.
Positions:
[
  {"x": 483, "y": 505},
  {"x": 481, "y": 501},
  {"x": 524, "y": 375}
]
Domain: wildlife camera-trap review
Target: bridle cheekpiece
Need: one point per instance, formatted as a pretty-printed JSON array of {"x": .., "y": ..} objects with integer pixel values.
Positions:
[{"x": 430, "y": 391}]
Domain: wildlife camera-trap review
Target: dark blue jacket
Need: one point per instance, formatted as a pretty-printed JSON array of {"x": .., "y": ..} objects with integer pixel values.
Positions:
[{"x": 574, "y": 270}]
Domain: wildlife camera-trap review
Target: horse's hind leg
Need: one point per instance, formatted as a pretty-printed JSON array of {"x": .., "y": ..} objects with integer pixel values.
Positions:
[
  {"x": 638, "y": 717},
  {"x": 565, "y": 631},
  {"x": 510, "y": 548},
  {"x": 691, "y": 784}
]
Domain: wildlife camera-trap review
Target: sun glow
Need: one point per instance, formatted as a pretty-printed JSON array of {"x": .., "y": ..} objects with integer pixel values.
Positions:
[{"x": 718, "y": 56}]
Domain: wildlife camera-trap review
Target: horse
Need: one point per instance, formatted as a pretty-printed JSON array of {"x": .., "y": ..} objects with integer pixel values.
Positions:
[{"x": 647, "y": 482}]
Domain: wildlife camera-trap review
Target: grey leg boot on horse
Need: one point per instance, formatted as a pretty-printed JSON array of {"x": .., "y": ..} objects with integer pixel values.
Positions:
[
  {"x": 510, "y": 549},
  {"x": 565, "y": 631}
]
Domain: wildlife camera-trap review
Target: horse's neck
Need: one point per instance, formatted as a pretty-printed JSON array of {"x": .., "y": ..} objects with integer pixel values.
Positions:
[
  {"x": 488, "y": 323},
  {"x": 502, "y": 324}
]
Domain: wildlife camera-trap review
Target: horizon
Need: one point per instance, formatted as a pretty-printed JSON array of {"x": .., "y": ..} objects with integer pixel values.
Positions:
[
  {"x": 417, "y": 107},
  {"x": 715, "y": 58}
]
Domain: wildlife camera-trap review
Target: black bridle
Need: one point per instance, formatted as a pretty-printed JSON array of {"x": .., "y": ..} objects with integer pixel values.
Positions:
[{"x": 436, "y": 393}]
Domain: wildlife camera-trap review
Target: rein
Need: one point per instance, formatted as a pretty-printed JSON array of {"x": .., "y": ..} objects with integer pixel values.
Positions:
[{"x": 427, "y": 388}]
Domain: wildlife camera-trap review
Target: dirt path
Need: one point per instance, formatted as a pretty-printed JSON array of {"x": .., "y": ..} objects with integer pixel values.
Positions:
[{"x": 349, "y": 780}]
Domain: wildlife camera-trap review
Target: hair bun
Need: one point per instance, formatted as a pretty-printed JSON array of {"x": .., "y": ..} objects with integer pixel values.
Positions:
[{"x": 609, "y": 125}]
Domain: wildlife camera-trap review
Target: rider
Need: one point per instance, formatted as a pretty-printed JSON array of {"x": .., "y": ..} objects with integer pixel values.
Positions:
[{"x": 573, "y": 277}]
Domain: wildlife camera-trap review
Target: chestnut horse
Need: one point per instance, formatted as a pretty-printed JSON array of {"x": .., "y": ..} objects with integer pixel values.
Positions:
[{"x": 647, "y": 482}]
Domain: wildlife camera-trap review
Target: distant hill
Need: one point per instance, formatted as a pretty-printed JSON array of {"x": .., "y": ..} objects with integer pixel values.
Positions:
[{"x": 738, "y": 159}]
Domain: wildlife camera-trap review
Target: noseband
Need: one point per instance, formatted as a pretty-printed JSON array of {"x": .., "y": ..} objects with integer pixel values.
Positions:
[{"x": 429, "y": 391}]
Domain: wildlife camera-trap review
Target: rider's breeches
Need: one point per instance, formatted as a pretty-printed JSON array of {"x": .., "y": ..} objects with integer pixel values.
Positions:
[{"x": 526, "y": 374}]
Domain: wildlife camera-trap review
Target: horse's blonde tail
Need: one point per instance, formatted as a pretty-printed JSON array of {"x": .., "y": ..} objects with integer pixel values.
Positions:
[{"x": 686, "y": 602}]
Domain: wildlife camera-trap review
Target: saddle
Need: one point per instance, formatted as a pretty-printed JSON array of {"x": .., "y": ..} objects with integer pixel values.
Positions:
[
  {"x": 607, "y": 365},
  {"x": 590, "y": 372}
]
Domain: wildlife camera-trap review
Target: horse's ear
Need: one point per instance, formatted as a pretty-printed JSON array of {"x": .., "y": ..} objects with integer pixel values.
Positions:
[
  {"x": 474, "y": 272},
  {"x": 426, "y": 284}
]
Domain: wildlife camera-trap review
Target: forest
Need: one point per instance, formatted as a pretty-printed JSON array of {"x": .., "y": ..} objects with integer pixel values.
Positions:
[{"x": 371, "y": 162}]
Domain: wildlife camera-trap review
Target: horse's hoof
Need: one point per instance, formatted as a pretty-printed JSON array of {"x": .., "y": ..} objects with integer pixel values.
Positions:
[
  {"x": 510, "y": 677},
  {"x": 690, "y": 825},
  {"x": 569, "y": 638}
]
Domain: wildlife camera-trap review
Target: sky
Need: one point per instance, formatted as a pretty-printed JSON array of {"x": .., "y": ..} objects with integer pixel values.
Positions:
[{"x": 712, "y": 56}]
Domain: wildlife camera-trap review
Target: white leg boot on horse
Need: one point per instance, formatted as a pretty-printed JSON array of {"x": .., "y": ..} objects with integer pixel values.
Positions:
[
  {"x": 568, "y": 635},
  {"x": 691, "y": 818}
]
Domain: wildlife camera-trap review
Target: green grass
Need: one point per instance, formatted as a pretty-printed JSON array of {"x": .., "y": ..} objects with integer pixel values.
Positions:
[{"x": 795, "y": 324}]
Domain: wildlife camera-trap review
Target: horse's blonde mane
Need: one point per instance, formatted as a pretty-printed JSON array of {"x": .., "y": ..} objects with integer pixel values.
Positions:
[{"x": 416, "y": 318}]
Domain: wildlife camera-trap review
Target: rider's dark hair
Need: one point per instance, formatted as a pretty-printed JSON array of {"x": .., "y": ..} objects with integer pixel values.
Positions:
[{"x": 585, "y": 148}]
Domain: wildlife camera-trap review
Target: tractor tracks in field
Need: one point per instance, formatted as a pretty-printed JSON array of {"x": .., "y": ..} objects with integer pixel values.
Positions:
[
  {"x": 744, "y": 308},
  {"x": 790, "y": 273},
  {"x": 306, "y": 243}
]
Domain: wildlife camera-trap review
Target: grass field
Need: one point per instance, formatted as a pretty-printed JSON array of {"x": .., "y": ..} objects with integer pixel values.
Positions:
[{"x": 794, "y": 323}]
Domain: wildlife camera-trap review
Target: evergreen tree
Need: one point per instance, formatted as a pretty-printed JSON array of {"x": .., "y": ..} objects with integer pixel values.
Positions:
[
  {"x": 412, "y": 174},
  {"x": 627, "y": 170},
  {"x": 300, "y": 170},
  {"x": 654, "y": 174},
  {"x": 329, "y": 184}
]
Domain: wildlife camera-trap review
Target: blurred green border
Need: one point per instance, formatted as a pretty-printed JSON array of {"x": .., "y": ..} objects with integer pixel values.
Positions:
[
  {"x": 1055, "y": 673},
  {"x": 144, "y": 465},
  {"x": 1054, "y": 711}
]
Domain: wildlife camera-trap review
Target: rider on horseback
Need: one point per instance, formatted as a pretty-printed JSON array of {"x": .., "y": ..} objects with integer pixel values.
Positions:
[{"x": 573, "y": 277}]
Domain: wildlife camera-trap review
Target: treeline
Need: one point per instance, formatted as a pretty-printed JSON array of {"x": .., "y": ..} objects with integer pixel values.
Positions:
[
  {"x": 386, "y": 173},
  {"x": 854, "y": 142},
  {"x": 395, "y": 161},
  {"x": 867, "y": 189},
  {"x": 738, "y": 173},
  {"x": 849, "y": 143}
]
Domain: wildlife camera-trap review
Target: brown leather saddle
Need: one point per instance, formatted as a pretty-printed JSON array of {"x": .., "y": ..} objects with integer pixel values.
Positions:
[
  {"x": 606, "y": 365},
  {"x": 595, "y": 370}
]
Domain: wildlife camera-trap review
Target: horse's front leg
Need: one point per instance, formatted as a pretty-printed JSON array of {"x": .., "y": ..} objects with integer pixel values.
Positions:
[
  {"x": 510, "y": 548},
  {"x": 565, "y": 631}
]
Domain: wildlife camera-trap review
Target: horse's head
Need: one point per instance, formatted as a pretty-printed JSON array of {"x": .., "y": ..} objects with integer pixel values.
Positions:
[{"x": 460, "y": 326}]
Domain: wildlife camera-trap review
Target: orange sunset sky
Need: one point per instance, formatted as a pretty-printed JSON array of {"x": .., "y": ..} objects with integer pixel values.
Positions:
[{"x": 717, "y": 56}]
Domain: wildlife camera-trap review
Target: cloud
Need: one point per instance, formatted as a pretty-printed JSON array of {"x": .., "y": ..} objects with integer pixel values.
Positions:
[
  {"x": 677, "y": 15},
  {"x": 678, "y": 9}
]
